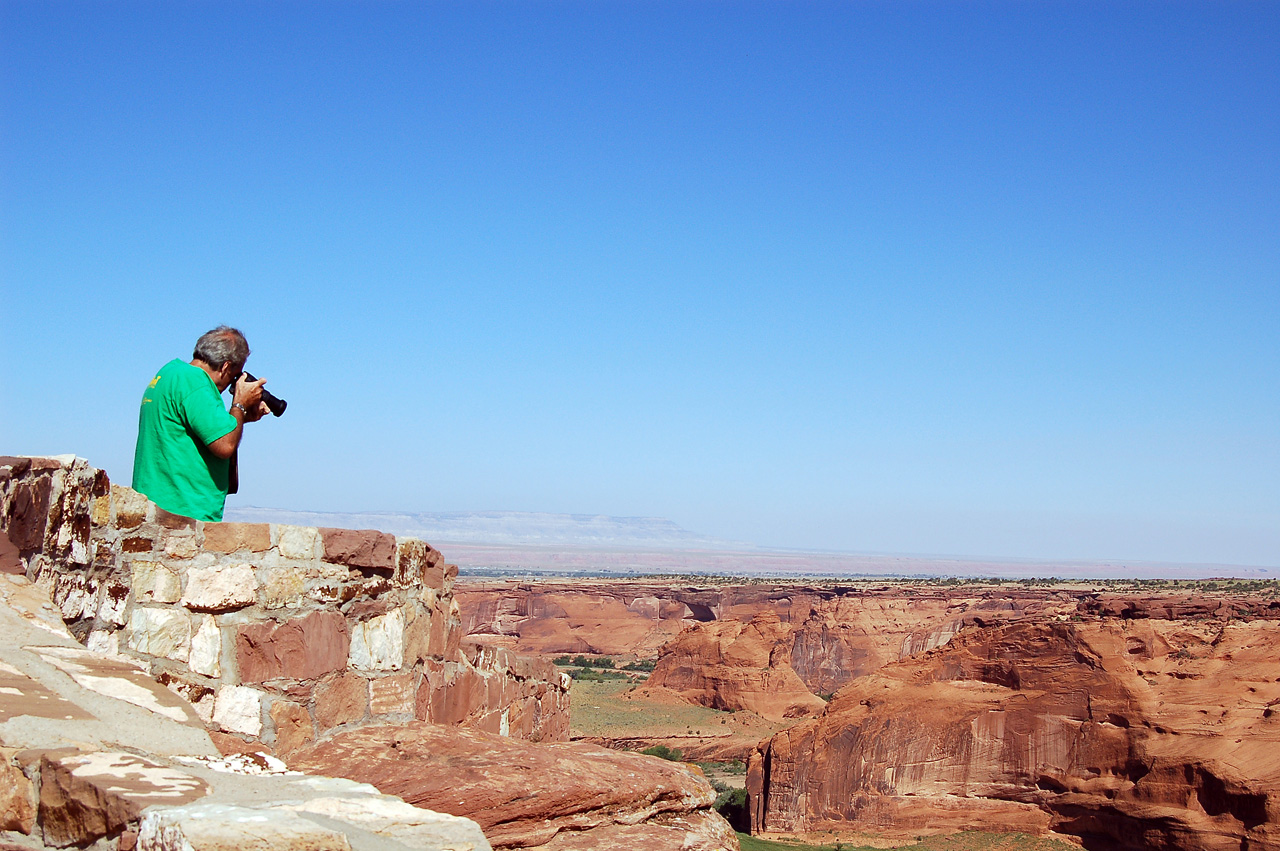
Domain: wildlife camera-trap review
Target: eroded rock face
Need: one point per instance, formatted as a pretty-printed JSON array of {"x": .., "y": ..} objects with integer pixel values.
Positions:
[
  {"x": 1130, "y": 734},
  {"x": 733, "y": 665},
  {"x": 832, "y": 633},
  {"x": 562, "y": 796}
]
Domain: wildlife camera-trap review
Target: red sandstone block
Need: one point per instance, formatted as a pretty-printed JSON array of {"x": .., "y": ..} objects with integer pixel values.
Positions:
[
  {"x": 170, "y": 520},
  {"x": 450, "y": 694},
  {"x": 391, "y": 694},
  {"x": 369, "y": 609},
  {"x": 293, "y": 726},
  {"x": 359, "y": 548},
  {"x": 438, "y": 640},
  {"x": 417, "y": 563},
  {"x": 301, "y": 648},
  {"x": 16, "y": 467},
  {"x": 341, "y": 699},
  {"x": 233, "y": 537},
  {"x": 28, "y": 513},
  {"x": 136, "y": 545}
]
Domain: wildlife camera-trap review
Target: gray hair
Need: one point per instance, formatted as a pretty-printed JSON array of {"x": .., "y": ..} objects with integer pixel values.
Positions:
[{"x": 222, "y": 345}]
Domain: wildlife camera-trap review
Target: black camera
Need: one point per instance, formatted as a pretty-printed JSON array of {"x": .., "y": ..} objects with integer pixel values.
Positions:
[{"x": 275, "y": 404}]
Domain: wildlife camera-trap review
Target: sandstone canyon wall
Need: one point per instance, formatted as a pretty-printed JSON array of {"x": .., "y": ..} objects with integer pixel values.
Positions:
[
  {"x": 732, "y": 665},
  {"x": 765, "y": 648},
  {"x": 1140, "y": 733}
]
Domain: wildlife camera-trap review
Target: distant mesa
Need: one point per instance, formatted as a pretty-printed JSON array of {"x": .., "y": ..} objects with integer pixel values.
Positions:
[
  {"x": 498, "y": 543},
  {"x": 516, "y": 528}
]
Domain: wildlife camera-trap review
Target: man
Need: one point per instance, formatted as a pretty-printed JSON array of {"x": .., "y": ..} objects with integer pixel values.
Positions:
[{"x": 186, "y": 438}]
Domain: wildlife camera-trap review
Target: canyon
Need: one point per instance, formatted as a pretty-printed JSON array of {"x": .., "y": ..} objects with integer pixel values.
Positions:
[
  {"x": 360, "y": 693},
  {"x": 1146, "y": 719}
]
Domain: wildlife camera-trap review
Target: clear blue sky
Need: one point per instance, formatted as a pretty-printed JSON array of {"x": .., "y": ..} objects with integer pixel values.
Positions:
[{"x": 995, "y": 279}]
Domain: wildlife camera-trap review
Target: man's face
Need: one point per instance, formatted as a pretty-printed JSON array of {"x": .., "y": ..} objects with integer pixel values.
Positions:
[{"x": 227, "y": 374}]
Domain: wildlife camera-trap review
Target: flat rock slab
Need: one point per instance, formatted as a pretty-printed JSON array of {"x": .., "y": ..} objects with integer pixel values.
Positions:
[
  {"x": 219, "y": 827},
  {"x": 85, "y": 796},
  {"x": 69, "y": 696},
  {"x": 522, "y": 794},
  {"x": 117, "y": 678},
  {"x": 370, "y": 820},
  {"x": 394, "y": 819},
  {"x": 23, "y": 695}
]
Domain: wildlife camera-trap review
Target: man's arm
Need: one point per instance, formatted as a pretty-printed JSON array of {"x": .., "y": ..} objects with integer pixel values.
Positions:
[{"x": 248, "y": 397}]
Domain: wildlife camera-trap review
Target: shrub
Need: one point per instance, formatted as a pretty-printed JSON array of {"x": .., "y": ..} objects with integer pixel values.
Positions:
[
  {"x": 664, "y": 752},
  {"x": 732, "y": 804},
  {"x": 594, "y": 676}
]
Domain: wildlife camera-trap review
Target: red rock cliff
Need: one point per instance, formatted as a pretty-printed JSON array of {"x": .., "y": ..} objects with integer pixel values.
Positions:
[{"x": 1161, "y": 734}]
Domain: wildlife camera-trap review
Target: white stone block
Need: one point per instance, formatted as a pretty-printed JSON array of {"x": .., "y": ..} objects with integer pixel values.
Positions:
[
  {"x": 300, "y": 542},
  {"x": 220, "y": 589},
  {"x": 238, "y": 709},
  {"x": 160, "y": 632},
  {"x": 181, "y": 546},
  {"x": 204, "y": 707},
  {"x": 75, "y": 596},
  {"x": 378, "y": 643},
  {"x": 155, "y": 582},
  {"x": 206, "y": 649},
  {"x": 283, "y": 586},
  {"x": 105, "y": 642},
  {"x": 112, "y": 607}
]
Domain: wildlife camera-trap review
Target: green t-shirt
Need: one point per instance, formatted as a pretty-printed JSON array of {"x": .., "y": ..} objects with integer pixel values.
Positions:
[{"x": 182, "y": 413}]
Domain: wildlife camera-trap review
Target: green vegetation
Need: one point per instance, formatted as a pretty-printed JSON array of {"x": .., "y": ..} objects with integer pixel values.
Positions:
[
  {"x": 732, "y": 766},
  {"x": 732, "y": 804},
  {"x": 592, "y": 670},
  {"x": 597, "y": 676},
  {"x": 603, "y": 668},
  {"x": 751, "y": 843},
  {"x": 664, "y": 752},
  {"x": 1269, "y": 588},
  {"x": 604, "y": 663},
  {"x": 967, "y": 841}
]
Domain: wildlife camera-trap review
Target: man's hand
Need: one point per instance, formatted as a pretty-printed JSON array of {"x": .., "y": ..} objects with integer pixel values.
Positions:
[
  {"x": 257, "y": 413},
  {"x": 249, "y": 395}
]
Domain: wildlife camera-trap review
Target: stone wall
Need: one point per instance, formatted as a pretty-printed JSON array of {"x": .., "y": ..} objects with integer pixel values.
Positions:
[{"x": 276, "y": 634}]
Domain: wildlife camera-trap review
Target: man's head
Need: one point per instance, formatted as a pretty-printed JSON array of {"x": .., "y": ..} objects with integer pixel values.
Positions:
[{"x": 225, "y": 350}]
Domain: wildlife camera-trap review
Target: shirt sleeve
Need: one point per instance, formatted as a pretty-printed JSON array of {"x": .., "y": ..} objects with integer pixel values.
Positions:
[{"x": 206, "y": 417}]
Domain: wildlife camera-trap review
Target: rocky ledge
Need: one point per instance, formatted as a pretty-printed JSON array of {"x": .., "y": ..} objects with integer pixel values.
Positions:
[
  {"x": 95, "y": 753},
  {"x": 556, "y": 796}
]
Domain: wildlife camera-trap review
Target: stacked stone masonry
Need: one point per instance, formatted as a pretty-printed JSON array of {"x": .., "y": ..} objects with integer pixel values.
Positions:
[{"x": 276, "y": 634}]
